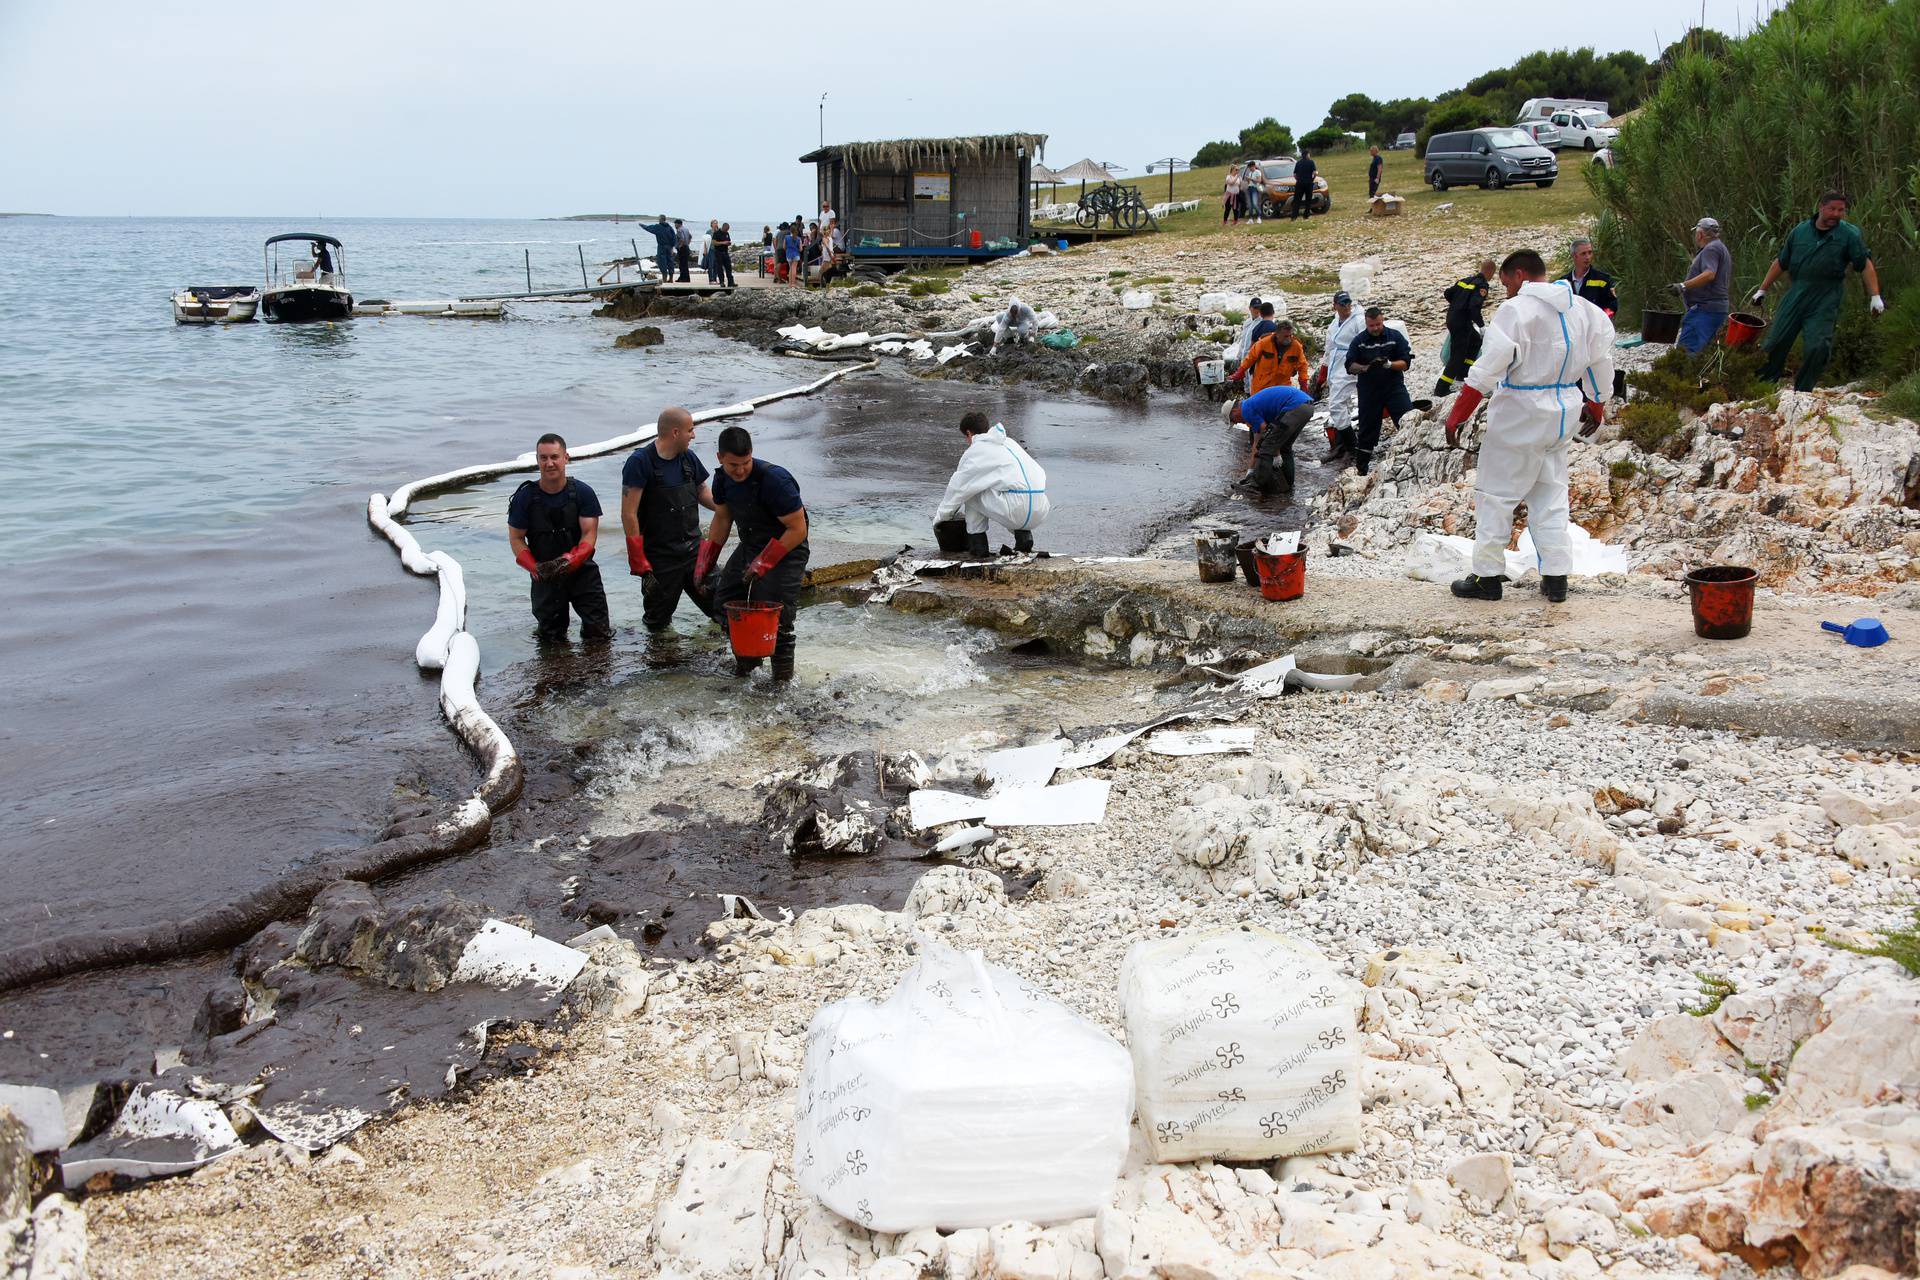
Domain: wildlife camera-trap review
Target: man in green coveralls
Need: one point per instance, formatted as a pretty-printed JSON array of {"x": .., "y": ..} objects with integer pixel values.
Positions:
[{"x": 1816, "y": 254}]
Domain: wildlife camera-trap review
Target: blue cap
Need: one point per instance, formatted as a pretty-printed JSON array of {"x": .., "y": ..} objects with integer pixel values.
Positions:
[{"x": 1343, "y": 299}]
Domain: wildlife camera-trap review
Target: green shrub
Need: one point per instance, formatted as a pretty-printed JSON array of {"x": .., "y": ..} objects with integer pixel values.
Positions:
[
  {"x": 1235, "y": 318},
  {"x": 1818, "y": 79},
  {"x": 1624, "y": 469},
  {"x": 922, "y": 288},
  {"x": 1220, "y": 335},
  {"x": 1713, "y": 991},
  {"x": 1154, "y": 280},
  {"x": 1902, "y": 946},
  {"x": 1651, "y": 425},
  {"x": 1115, "y": 275},
  {"x": 868, "y": 291},
  {"x": 1718, "y": 375}
]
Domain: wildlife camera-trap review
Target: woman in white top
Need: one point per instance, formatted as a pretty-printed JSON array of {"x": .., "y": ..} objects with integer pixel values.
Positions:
[
  {"x": 1254, "y": 191},
  {"x": 1230, "y": 204}
]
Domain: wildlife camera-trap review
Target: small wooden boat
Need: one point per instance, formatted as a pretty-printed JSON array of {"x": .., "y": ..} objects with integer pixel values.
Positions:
[{"x": 216, "y": 304}]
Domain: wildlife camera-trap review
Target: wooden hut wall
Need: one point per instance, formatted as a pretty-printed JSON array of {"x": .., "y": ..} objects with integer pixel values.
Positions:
[{"x": 879, "y": 204}]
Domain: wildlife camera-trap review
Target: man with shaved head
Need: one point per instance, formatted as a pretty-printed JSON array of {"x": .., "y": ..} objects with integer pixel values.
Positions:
[{"x": 662, "y": 488}]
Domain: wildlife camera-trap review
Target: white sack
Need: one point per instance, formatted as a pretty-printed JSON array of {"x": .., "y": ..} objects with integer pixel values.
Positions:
[
  {"x": 1440, "y": 557},
  {"x": 966, "y": 1099},
  {"x": 1245, "y": 1046},
  {"x": 1137, "y": 299}
]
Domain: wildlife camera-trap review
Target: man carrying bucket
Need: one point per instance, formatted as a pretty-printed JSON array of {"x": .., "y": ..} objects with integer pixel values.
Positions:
[
  {"x": 663, "y": 487},
  {"x": 552, "y": 524},
  {"x": 1551, "y": 355},
  {"x": 1816, "y": 254},
  {"x": 768, "y": 567}
]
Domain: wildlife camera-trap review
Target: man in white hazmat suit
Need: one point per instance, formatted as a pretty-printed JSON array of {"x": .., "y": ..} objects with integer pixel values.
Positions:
[
  {"x": 996, "y": 481},
  {"x": 1017, "y": 322},
  {"x": 1332, "y": 376},
  {"x": 1547, "y": 361}
]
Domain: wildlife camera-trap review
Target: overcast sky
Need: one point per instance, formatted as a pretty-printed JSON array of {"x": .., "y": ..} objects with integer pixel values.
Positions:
[{"x": 483, "y": 109}]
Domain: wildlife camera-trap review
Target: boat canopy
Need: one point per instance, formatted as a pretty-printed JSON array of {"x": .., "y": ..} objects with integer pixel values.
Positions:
[{"x": 306, "y": 235}]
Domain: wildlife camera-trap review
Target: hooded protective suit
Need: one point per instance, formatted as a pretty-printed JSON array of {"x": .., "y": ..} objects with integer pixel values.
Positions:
[
  {"x": 1340, "y": 383},
  {"x": 996, "y": 480},
  {"x": 1544, "y": 353},
  {"x": 1017, "y": 321}
]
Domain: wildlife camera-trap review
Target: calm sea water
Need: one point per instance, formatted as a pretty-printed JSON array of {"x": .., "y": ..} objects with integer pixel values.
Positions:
[{"x": 206, "y": 657}]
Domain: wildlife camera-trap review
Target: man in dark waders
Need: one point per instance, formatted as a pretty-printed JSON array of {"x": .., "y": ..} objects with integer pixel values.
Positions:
[
  {"x": 763, "y": 502},
  {"x": 1816, "y": 254},
  {"x": 1466, "y": 321},
  {"x": 552, "y": 524},
  {"x": 662, "y": 488}
]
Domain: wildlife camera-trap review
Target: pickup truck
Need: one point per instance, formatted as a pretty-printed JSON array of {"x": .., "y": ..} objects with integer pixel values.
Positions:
[{"x": 1587, "y": 129}]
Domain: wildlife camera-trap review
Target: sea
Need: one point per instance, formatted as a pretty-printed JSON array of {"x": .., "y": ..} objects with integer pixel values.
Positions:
[{"x": 206, "y": 656}]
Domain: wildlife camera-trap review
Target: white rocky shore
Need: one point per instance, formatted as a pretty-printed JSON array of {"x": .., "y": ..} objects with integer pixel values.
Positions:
[{"x": 1530, "y": 897}]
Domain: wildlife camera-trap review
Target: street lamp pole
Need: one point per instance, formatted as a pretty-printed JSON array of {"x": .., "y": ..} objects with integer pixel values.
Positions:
[{"x": 823, "y": 119}]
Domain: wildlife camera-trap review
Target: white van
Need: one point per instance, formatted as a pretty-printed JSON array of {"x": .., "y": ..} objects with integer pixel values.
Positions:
[
  {"x": 1584, "y": 128},
  {"x": 1541, "y": 108}
]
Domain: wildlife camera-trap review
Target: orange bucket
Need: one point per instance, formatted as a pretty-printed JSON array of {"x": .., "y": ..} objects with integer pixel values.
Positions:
[
  {"x": 1743, "y": 327},
  {"x": 1282, "y": 577},
  {"x": 1722, "y": 601},
  {"x": 752, "y": 628}
]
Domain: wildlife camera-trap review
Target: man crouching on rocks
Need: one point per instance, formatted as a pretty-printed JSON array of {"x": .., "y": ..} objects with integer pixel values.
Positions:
[
  {"x": 1547, "y": 361},
  {"x": 996, "y": 482}
]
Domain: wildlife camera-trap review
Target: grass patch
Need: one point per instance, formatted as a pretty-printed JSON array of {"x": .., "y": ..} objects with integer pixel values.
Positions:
[
  {"x": 1309, "y": 282},
  {"x": 1903, "y": 398},
  {"x": 1196, "y": 279},
  {"x": 1115, "y": 275},
  {"x": 1154, "y": 280},
  {"x": 1713, "y": 992},
  {"x": 1219, "y": 335},
  {"x": 925, "y": 288},
  {"x": 1902, "y": 946},
  {"x": 1654, "y": 427},
  {"x": 868, "y": 291},
  {"x": 1234, "y": 318},
  {"x": 1625, "y": 469}
]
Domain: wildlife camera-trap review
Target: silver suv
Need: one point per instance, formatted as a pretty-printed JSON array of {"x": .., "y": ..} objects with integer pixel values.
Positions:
[{"x": 1488, "y": 158}]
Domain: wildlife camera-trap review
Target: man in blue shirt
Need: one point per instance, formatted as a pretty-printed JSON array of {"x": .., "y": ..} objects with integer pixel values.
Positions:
[
  {"x": 1274, "y": 419},
  {"x": 770, "y": 564},
  {"x": 552, "y": 524},
  {"x": 662, "y": 488},
  {"x": 1378, "y": 359},
  {"x": 666, "y": 242},
  {"x": 1303, "y": 171}
]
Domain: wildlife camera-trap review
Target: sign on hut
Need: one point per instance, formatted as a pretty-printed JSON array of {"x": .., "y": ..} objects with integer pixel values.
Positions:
[{"x": 931, "y": 197}]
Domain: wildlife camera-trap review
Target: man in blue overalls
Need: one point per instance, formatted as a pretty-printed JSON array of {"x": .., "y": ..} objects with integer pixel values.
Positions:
[
  {"x": 663, "y": 487},
  {"x": 763, "y": 501},
  {"x": 666, "y": 243}
]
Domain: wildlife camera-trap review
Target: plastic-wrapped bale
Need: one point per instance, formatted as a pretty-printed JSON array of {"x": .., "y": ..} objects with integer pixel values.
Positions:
[
  {"x": 1245, "y": 1046},
  {"x": 966, "y": 1099}
]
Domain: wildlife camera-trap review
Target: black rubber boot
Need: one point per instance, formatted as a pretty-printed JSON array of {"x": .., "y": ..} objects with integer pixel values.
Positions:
[
  {"x": 1554, "y": 587},
  {"x": 782, "y": 668},
  {"x": 1442, "y": 388},
  {"x": 1022, "y": 541},
  {"x": 1362, "y": 462},
  {"x": 1475, "y": 587},
  {"x": 744, "y": 667},
  {"x": 1342, "y": 444},
  {"x": 977, "y": 548}
]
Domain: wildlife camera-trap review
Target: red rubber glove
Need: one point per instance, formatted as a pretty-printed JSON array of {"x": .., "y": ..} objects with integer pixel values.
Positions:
[
  {"x": 524, "y": 558},
  {"x": 1464, "y": 403},
  {"x": 770, "y": 555},
  {"x": 637, "y": 563},
  {"x": 580, "y": 553},
  {"x": 1592, "y": 414},
  {"x": 705, "y": 556}
]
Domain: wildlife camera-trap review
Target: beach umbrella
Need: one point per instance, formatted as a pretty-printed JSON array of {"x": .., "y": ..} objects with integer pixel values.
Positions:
[{"x": 1083, "y": 171}]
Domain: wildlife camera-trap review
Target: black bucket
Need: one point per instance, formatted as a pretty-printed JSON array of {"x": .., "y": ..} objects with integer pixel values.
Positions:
[
  {"x": 950, "y": 534},
  {"x": 1660, "y": 326}
]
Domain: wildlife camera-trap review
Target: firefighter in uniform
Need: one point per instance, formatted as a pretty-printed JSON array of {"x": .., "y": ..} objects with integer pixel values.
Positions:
[
  {"x": 1466, "y": 317},
  {"x": 552, "y": 524}
]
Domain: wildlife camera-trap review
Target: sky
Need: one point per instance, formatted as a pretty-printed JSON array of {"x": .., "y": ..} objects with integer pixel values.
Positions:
[{"x": 417, "y": 108}]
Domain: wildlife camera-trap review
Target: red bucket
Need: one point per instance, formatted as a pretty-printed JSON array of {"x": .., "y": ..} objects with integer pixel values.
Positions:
[
  {"x": 752, "y": 628},
  {"x": 1282, "y": 577},
  {"x": 1743, "y": 327},
  {"x": 1722, "y": 601}
]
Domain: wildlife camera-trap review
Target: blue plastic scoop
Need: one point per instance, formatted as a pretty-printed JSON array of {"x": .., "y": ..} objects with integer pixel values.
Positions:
[{"x": 1865, "y": 632}]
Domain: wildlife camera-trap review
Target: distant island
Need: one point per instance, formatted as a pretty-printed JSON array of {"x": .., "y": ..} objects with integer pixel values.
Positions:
[
  {"x": 604, "y": 217},
  {"x": 27, "y": 215}
]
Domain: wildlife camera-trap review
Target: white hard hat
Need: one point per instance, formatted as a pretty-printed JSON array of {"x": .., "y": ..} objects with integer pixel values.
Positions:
[{"x": 1226, "y": 409}]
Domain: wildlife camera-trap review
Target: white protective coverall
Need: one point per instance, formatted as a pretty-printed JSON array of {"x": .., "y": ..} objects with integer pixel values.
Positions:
[
  {"x": 1341, "y": 384},
  {"x": 1545, "y": 351},
  {"x": 996, "y": 480},
  {"x": 1017, "y": 321},
  {"x": 1238, "y": 351}
]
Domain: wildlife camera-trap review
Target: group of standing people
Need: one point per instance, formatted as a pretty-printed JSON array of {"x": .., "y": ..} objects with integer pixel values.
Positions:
[
  {"x": 673, "y": 250},
  {"x": 1245, "y": 193},
  {"x": 800, "y": 248},
  {"x": 553, "y": 526}
]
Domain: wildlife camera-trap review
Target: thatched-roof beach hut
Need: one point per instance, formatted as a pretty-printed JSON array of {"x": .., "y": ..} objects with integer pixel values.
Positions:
[{"x": 931, "y": 197}]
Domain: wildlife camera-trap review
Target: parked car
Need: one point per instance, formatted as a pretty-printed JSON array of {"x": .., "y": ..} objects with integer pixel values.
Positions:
[
  {"x": 1405, "y": 142},
  {"x": 1542, "y": 108},
  {"x": 1279, "y": 184},
  {"x": 1489, "y": 158},
  {"x": 1604, "y": 157},
  {"x": 1587, "y": 129},
  {"x": 1541, "y": 132}
]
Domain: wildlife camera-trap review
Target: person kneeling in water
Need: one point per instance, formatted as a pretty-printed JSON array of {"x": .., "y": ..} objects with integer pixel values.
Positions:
[
  {"x": 996, "y": 481},
  {"x": 770, "y": 564}
]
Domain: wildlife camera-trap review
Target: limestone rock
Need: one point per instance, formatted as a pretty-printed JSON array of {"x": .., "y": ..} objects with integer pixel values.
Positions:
[
  {"x": 1443, "y": 691},
  {"x": 1768, "y": 1026},
  {"x": 1674, "y": 1043},
  {"x": 1570, "y": 1227},
  {"x": 1487, "y": 1177},
  {"x": 969, "y": 1254},
  {"x": 820, "y": 1243},
  {"x": 1431, "y": 1203},
  {"x": 51, "y": 1244},
  {"x": 645, "y": 336},
  {"x": 1384, "y": 1080},
  {"x": 1486, "y": 1084},
  {"x": 716, "y": 1219},
  {"x": 1715, "y": 1215},
  {"x": 1869, "y": 1050},
  {"x": 1494, "y": 690},
  {"x": 614, "y": 982},
  {"x": 1691, "y": 1106},
  {"x": 955, "y": 891},
  {"x": 1880, "y": 847},
  {"x": 16, "y": 1167},
  {"x": 1846, "y": 1191}
]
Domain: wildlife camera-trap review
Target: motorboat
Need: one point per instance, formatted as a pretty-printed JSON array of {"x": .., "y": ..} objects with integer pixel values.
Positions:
[
  {"x": 215, "y": 304},
  {"x": 305, "y": 286}
]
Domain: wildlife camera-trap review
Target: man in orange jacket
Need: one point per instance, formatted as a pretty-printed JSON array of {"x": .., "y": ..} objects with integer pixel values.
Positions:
[{"x": 1274, "y": 361}]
